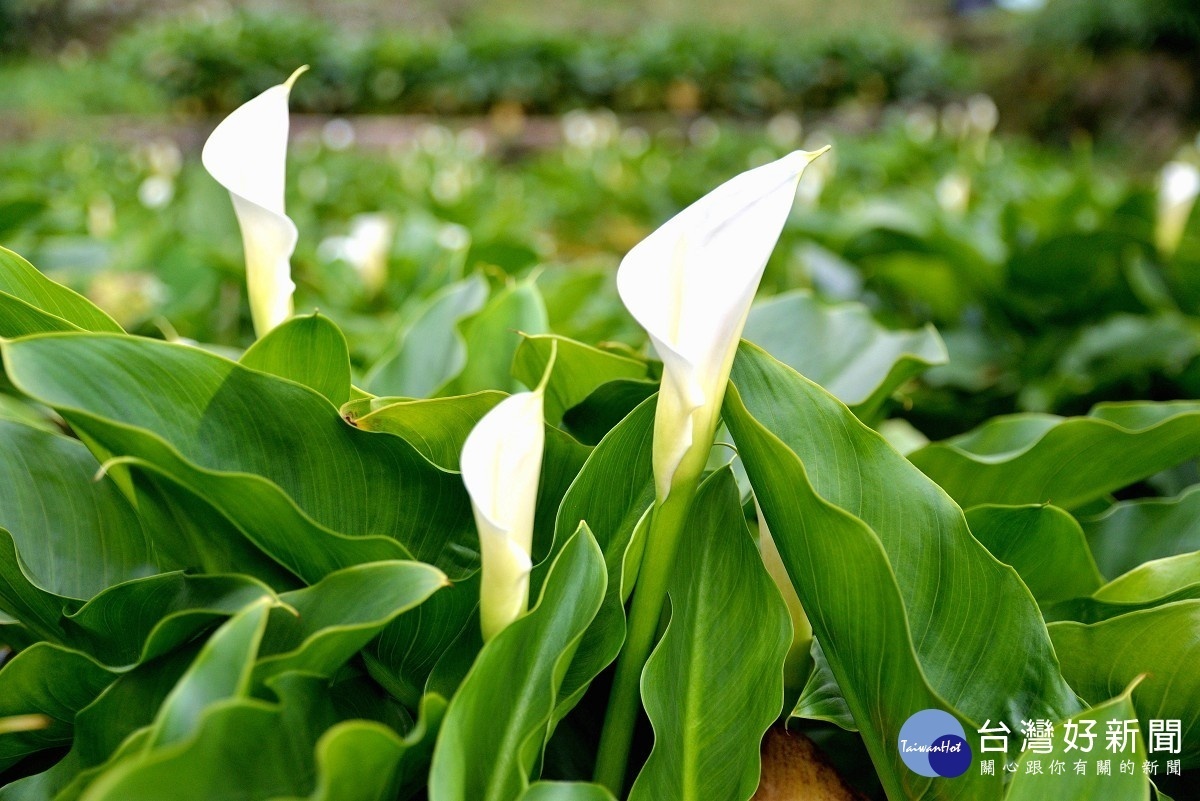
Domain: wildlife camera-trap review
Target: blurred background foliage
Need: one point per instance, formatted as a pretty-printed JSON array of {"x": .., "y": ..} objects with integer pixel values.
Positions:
[{"x": 994, "y": 169}]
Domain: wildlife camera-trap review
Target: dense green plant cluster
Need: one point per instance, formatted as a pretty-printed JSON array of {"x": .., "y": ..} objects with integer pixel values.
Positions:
[
  {"x": 213, "y": 66},
  {"x": 462, "y": 535},
  {"x": 1042, "y": 275}
]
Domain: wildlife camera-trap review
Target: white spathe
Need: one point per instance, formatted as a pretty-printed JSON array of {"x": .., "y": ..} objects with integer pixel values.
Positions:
[
  {"x": 501, "y": 464},
  {"x": 690, "y": 285},
  {"x": 1178, "y": 186},
  {"x": 247, "y": 154}
]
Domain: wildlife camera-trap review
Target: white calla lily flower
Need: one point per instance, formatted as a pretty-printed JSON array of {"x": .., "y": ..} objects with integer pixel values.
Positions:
[
  {"x": 247, "y": 154},
  {"x": 1178, "y": 187},
  {"x": 690, "y": 285},
  {"x": 501, "y": 464}
]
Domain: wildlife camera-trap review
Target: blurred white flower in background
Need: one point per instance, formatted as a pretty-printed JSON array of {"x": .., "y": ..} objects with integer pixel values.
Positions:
[{"x": 1178, "y": 186}]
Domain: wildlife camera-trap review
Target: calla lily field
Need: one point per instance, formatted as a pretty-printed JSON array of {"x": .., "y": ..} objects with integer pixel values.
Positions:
[{"x": 493, "y": 525}]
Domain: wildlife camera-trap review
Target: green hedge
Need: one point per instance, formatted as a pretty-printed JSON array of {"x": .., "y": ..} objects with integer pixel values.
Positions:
[{"x": 212, "y": 67}]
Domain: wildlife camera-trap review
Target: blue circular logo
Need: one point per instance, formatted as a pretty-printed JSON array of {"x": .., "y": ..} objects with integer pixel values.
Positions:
[{"x": 932, "y": 743}]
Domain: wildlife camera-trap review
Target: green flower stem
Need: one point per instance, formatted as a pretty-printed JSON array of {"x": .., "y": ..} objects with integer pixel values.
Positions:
[{"x": 662, "y": 542}]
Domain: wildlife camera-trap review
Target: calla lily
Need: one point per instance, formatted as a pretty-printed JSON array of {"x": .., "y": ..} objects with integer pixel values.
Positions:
[
  {"x": 501, "y": 464},
  {"x": 690, "y": 285},
  {"x": 247, "y": 155},
  {"x": 1178, "y": 186}
]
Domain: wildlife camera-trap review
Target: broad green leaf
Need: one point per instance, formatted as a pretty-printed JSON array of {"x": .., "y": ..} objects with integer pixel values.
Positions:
[
  {"x": 492, "y": 337},
  {"x": 1067, "y": 461},
  {"x": 612, "y": 493},
  {"x": 566, "y": 791},
  {"x": 842, "y": 348},
  {"x": 240, "y": 748},
  {"x": 1069, "y": 785},
  {"x": 191, "y": 533},
  {"x": 310, "y": 350},
  {"x": 46, "y": 680},
  {"x": 1151, "y": 584},
  {"x": 1154, "y": 579},
  {"x": 239, "y": 438},
  {"x": 322, "y": 626},
  {"x": 1100, "y": 659},
  {"x": 437, "y": 427},
  {"x": 39, "y": 612},
  {"x": 412, "y": 774},
  {"x": 714, "y": 683},
  {"x": 1044, "y": 544},
  {"x": 1130, "y": 532},
  {"x": 611, "y": 403},
  {"x": 497, "y": 724},
  {"x": 142, "y": 619},
  {"x": 431, "y": 351},
  {"x": 31, "y": 303},
  {"x": 579, "y": 370},
  {"x": 409, "y": 648},
  {"x": 363, "y": 761},
  {"x": 221, "y": 671},
  {"x": 75, "y": 535},
  {"x": 356, "y": 761},
  {"x": 127, "y": 705},
  {"x": 889, "y": 574}
]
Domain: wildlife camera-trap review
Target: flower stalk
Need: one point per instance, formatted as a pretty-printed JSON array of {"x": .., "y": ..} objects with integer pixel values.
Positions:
[{"x": 690, "y": 284}]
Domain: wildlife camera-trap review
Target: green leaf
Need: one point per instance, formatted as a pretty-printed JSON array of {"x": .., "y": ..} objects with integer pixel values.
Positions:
[
  {"x": 431, "y": 351},
  {"x": 1154, "y": 583},
  {"x": 363, "y": 761},
  {"x": 127, "y": 705},
  {"x": 714, "y": 683},
  {"x": 220, "y": 671},
  {"x": 603, "y": 409},
  {"x": 821, "y": 698},
  {"x": 842, "y": 348},
  {"x": 31, "y": 303},
  {"x": 1044, "y": 544},
  {"x": 612, "y": 493},
  {"x": 497, "y": 724},
  {"x": 892, "y": 580},
  {"x": 579, "y": 370},
  {"x": 566, "y": 791},
  {"x": 75, "y": 535},
  {"x": 1042, "y": 458},
  {"x": 142, "y": 619},
  {"x": 1070, "y": 786},
  {"x": 240, "y": 748},
  {"x": 437, "y": 428},
  {"x": 310, "y": 350},
  {"x": 492, "y": 337},
  {"x": 185, "y": 414},
  {"x": 1130, "y": 532},
  {"x": 356, "y": 761},
  {"x": 409, "y": 648},
  {"x": 322, "y": 626},
  {"x": 48, "y": 680},
  {"x": 1100, "y": 659}
]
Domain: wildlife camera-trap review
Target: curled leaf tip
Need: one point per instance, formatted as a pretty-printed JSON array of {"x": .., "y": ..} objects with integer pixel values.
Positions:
[{"x": 292, "y": 78}]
